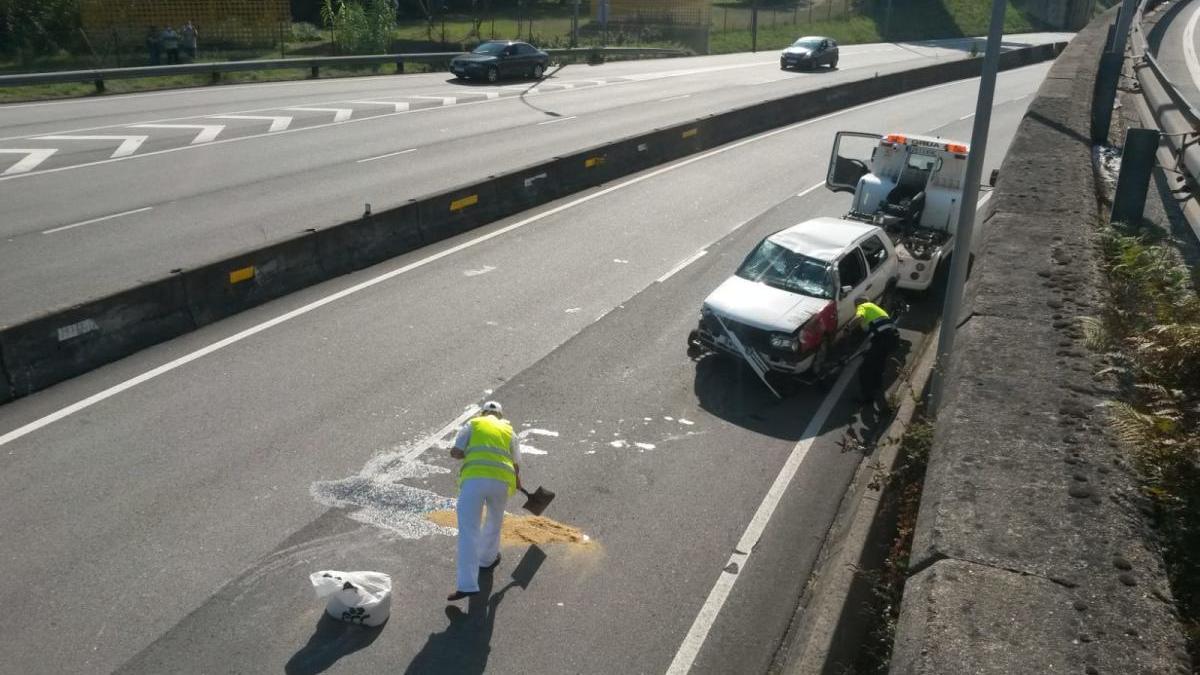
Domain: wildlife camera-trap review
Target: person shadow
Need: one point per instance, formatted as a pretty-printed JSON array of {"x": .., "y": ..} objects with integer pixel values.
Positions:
[
  {"x": 331, "y": 640},
  {"x": 464, "y": 646}
]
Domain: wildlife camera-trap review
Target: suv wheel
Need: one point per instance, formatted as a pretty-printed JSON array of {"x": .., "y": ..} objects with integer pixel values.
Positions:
[
  {"x": 493, "y": 75},
  {"x": 538, "y": 70}
]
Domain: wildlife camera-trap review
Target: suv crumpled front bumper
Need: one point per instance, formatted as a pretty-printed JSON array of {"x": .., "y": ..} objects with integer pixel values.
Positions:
[{"x": 709, "y": 335}]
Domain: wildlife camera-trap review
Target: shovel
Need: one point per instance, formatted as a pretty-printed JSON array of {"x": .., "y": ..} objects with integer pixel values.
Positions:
[{"x": 538, "y": 500}]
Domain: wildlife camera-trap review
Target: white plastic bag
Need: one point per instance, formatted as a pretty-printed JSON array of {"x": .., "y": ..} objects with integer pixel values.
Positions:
[{"x": 356, "y": 597}]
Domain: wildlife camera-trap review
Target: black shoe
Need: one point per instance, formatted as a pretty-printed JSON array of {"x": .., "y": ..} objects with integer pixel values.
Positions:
[
  {"x": 459, "y": 595},
  {"x": 489, "y": 568}
]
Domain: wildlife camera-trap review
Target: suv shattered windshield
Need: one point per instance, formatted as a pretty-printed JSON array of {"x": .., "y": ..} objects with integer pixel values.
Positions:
[{"x": 778, "y": 267}]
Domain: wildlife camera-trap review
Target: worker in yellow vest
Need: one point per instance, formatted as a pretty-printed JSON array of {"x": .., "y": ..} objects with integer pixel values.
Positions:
[
  {"x": 490, "y": 474},
  {"x": 883, "y": 339}
]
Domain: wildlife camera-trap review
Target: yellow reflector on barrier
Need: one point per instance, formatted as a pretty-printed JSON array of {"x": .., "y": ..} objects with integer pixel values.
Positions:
[
  {"x": 593, "y": 161},
  {"x": 244, "y": 274},
  {"x": 460, "y": 204},
  {"x": 690, "y": 132}
]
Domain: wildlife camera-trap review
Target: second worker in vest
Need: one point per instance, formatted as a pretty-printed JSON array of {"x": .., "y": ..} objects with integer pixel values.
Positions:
[
  {"x": 883, "y": 338},
  {"x": 490, "y": 474}
]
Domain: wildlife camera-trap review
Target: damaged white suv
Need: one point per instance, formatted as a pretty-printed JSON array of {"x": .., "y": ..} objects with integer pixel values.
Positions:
[{"x": 793, "y": 296}]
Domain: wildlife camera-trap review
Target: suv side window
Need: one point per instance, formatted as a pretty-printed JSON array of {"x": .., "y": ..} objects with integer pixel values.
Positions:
[
  {"x": 852, "y": 271},
  {"x": 874, "y": 251},
  {"x": 527, "y": 50}
]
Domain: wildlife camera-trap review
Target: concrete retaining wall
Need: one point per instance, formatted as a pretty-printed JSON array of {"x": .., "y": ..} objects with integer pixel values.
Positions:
[
  {"x": 64, "y": 343},
  {"x": 1030, "y": 555}
]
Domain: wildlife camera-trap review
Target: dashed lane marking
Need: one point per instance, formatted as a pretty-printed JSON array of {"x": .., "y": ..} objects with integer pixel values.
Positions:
[
  {"x": 446, "y": 100},
  {"x": 208, "y": 132},
  {"x": 278, "y": 122},
  {"x": 400, "y": 106},
  {"x": 128, "y": 146},
  {"x": 98, "y": 220},
  {"x": 555, "y": 121},
  {"x": 390, "y": 154},
  {"x": 339, "y": 114},
  {"x": 33, "y": 157}
]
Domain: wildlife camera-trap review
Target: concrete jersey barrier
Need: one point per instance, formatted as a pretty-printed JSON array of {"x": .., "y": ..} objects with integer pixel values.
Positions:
[
  {"x": 64, "y": 343},
  {"x": 1029, "y": 555}
]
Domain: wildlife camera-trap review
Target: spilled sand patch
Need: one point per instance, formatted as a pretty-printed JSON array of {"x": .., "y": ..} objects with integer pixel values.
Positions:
[{"x": 521, "y": 530}]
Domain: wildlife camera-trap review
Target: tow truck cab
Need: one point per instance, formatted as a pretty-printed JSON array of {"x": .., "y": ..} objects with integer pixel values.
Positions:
[{"x": 911, "y": 186}]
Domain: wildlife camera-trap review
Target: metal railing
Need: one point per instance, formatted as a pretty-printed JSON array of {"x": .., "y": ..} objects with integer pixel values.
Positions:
[
  {"x": 1178, "y": 119},
  {"x": 312, "y": 64}
]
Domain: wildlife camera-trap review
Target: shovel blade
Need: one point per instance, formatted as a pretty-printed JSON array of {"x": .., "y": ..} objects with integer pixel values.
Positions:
[{"x": 538, "y": 500}]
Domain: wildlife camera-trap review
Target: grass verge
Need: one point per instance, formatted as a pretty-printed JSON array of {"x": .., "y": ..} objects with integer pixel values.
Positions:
[{"x": 1150, "y": 329}]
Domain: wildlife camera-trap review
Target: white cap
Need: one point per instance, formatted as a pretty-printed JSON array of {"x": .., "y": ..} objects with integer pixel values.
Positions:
[{"x": 492, "y": 406}]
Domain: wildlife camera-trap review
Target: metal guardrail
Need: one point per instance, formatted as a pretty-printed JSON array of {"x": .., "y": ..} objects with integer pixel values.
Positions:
[
  {"x": 313, "y": 64},
  {"x": 1178, "y": 119}
]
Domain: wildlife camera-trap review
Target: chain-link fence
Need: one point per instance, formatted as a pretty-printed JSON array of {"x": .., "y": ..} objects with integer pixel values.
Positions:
[{"x": 161, "y": 31}]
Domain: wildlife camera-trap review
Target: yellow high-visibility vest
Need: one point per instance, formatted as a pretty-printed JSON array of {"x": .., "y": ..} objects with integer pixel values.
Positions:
[
  {"x": 873, "y": 318},
  {"x": 488, "y": 452}
]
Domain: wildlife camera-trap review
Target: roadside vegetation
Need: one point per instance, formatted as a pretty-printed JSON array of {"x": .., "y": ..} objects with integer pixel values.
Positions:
[
  {"x": 1150, "y": 330},
  {"x": 901, "y": 490}
]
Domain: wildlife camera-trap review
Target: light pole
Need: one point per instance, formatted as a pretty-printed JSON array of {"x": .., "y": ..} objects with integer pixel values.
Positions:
[
  {"x": 961, "y": 259},
  {"x": 754, "y": 26}
]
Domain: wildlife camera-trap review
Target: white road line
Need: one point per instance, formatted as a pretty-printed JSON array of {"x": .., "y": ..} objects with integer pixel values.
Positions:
[
  {"x": 674, "y": 98},
  {"x": 420, "y": 448},
  {"x": 128, "y": 146},
  {"x": 278, "y": 122},
  {"x": 446, "y": 100},
  {"x": 339, "y": 114},
  {"x": 556, "y": 121},
  {"x": 208, "y": 132},
  {"x": 690, "y": 649},
  {"x": 400, "y": 106},
  {"x": 1189, "y": 47},
  {"x": 682, "y": 264},
  {"x": 964, "y": 117},
  {"x": 810, "y": 189},
  {"x": 108, "y": 393},
  {"x": 33, "y": 157},
  {"x": 390, "y": 154},
  {"x": 97, "y": 220}
]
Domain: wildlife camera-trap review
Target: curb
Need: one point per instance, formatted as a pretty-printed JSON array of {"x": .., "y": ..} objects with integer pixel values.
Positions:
[
  {"x": 830, "y": 624},
  {"x": 64, "y": 343}
]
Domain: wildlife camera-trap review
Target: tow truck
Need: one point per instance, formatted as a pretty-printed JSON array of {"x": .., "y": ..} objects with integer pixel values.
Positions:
[{"x": 791, "y": 301}]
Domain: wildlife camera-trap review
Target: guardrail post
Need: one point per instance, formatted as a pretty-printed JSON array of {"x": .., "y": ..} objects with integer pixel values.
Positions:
[
  {"x": 316, "y": 71},
  {"x": 216, "y": 76},
  {"x": 1137, "y": 161},
  {"x": 99, "y": 85},
  {"x": 399, "y": 66}
]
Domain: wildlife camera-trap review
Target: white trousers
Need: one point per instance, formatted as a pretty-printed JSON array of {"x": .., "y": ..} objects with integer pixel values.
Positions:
[{"x": 479, "y": 547}]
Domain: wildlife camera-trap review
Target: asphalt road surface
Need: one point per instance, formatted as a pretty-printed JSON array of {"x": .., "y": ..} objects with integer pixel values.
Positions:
[
  {"x": 163, "y": 513},
  {"x": 1177, "y": 51},
  {"x": 101, "y": 193}
]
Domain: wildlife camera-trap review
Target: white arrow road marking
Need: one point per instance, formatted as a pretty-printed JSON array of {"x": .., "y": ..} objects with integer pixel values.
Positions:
[
  {"x": 29, "y": 162},
  {"x": 208, "y": 132},
  {"x": 339, "y": 114},
  {"x": 278, "y": 123},
  {"x": 446, "y": 100},
  {"x": 400, "y": 106},
  {"x": 129, "y": 144}
]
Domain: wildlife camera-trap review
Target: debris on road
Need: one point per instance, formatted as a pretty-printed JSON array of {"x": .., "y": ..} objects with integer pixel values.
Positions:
[
  {"x": 364, "y": 598},
  {"x": 523, "y": 530}
]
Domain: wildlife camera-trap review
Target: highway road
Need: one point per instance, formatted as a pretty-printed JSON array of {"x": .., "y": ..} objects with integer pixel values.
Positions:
[
  {"x": 1177, "y": 49},
  {"x": 162, "y": 513},
  {"x": 101, "y": 193}
]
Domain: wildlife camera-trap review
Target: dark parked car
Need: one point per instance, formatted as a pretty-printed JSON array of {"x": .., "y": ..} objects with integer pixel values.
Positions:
[
  {"x": 495, "y": 59},
  {"x": 810, "y": 52}
]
